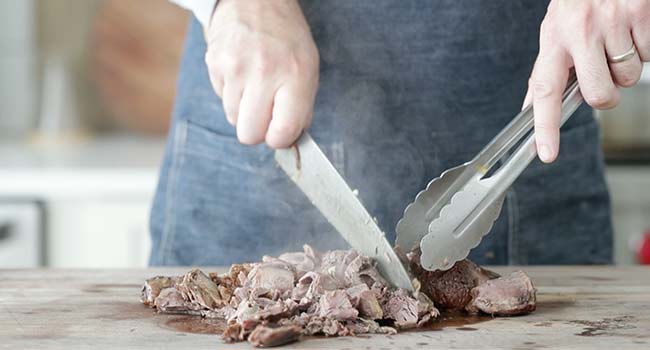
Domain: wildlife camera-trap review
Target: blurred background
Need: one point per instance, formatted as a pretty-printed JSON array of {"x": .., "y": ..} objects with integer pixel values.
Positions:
[{"x": 86, "y": 91}]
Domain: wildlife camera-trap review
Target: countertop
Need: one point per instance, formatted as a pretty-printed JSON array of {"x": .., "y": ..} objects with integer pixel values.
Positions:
[
  {"x": 102, "y": 166},
  {"x": 578, "y": 307}
]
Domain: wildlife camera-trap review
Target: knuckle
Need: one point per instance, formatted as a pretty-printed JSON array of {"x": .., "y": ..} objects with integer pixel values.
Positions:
[
  {"x": 208, "y": 58},
  {"x": 214, "y": 68},
  {"x": 541, "y": 89},
  {"x": 248, "y": 139},
  {"x": 230, "y": 63},
  {"x": 285, "y": 129},
  {"x": 296, "y": 65},
  {"x": 610, "y": 10},
  {"x": 231, "y": 110},
  {"x": 264, "y": 64},
  {"x": 627, "y": 79},
  {"x": 277, "y": 143},
  {"x": 303, "y": 64},
  {"x": 638, "y": 9},
  {"x": 546, "y": 126},
  {"x": 546, "y": 30},
  {"x": 582, "y": 22},
  {"x": 600, "y": 99}
]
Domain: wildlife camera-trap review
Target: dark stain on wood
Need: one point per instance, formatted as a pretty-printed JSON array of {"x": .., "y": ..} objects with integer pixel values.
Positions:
[
  {"x": 109, "y": 287},
  {"x": 455, "y": 320},
  {"x": 124, "y": 311},
  {"x": 200, "y": 325},
  {"x": 596, "y": 278},
  {"x": 606, "y": 326},
  {"x": 549, "y": 306},
  {"x": 194, "y": 324}
]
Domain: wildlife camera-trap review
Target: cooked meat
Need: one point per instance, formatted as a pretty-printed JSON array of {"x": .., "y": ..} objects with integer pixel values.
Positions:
[
  {"x": 265, "y": 337},
  {"x": 336, "y": 305},
  {"x": 197, "y": 288},
  {"x": 504, "y": 296},
  {"x": 171, "y": 301},
  {"x": 336, "y": 293},
  {"x": 153, "y": 286},
  {"x": 272, "y": 275},
  {"x": 450, "y": 289},
  {"x": 233, "y": 333},
  {"x": 408, "y": 312},
  {"x": 365, "y": 300}
]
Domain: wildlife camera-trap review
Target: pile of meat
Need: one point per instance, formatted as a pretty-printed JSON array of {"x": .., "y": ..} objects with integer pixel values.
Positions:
[{"x": 336, "y": 293}]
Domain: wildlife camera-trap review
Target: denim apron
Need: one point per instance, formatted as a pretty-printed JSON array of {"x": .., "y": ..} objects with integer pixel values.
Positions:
[{"x": 407, "y": 90}]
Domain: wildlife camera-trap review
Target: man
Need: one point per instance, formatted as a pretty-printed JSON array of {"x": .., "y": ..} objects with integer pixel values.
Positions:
[{"x": 406, "y": 89}]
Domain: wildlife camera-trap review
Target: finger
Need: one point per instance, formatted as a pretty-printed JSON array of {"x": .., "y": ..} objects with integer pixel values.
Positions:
[
  {"x": 527, "y": 99},
  {"x": 642, "y": 42},
  {"x": 216, "y": 78},
  {"x": 617, "y": 42},
  {"x": 547, "y": 85},
  {"x": 217, "y": 84},
  {"x": 596, "y": 82},
  {"x": 640, "y": 16},
  {"x": 254, "y": 113},
  {"x": 232, "y": 95},
  {"x": 292, "y": 110}
]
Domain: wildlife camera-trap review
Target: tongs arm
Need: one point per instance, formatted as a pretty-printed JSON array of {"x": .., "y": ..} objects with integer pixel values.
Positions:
[
  {"x": 429, "y": 203},
  {"x": 521, "y": 125}
]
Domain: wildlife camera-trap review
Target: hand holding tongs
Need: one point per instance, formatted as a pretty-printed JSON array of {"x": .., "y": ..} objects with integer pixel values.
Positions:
[{"x": 455, "y": 211}]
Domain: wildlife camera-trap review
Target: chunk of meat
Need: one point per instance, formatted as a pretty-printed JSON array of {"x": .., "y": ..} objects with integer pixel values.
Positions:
[
  {"x": 301, "y": 261},
  {"x": 450, "y": 289},
  {"x": 312, "y": 285},
  {"x": 272, "y": 275},
  {"x": 278, "y": 310},
  {"x": 197, "y": 287},
  {"x": 170, "y": 300},
  {"x": 336, "y": 305},
  {"x": 408, "y": 311},
  {"x": 365, "y": 300},
  {"x": 403, "y": 310},
  {"x": 153, "y": 286},
  {"x": 362, "y": 326},
  {"x": 237, "y": 269},
  {"x": 504, "y": 296},
  {"x": 233, "y": 333},
  {"x": 327, "y": 326},
  {"x": 264, "y": 336}
]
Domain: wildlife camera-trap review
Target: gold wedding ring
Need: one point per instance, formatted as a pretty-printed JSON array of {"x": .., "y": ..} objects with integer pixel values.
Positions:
[{"x": 627, "y": 55}]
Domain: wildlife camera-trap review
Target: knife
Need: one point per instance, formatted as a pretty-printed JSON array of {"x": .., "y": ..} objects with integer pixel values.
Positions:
[{"x": 314, "y": 174}]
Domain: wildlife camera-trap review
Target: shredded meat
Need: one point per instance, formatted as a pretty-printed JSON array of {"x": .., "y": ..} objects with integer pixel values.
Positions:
[{"x": 336, "y": 293}]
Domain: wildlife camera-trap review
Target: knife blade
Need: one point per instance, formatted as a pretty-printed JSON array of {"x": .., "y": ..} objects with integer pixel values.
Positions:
[{"x": 314, "y": 174}]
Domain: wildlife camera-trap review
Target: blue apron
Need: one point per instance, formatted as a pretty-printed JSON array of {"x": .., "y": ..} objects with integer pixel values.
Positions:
[{"x": 407, "y": 90}]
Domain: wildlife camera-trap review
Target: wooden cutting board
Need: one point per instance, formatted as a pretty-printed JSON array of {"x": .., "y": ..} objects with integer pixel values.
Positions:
[{"x": 578, "y": 307}]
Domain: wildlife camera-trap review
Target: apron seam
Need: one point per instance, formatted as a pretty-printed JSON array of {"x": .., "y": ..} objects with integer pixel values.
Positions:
[{"x": 177, "y": 160}]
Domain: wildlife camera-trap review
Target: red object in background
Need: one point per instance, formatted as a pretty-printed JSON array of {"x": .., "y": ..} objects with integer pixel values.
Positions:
[{"x": 644, "y": 249}]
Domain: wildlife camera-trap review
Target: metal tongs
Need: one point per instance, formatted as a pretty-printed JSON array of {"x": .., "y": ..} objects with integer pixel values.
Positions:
[{"x": 450, "y": 217}]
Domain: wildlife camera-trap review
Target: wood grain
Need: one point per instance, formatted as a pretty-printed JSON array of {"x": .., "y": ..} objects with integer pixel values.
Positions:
[{"x": 579, "y": 307}]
